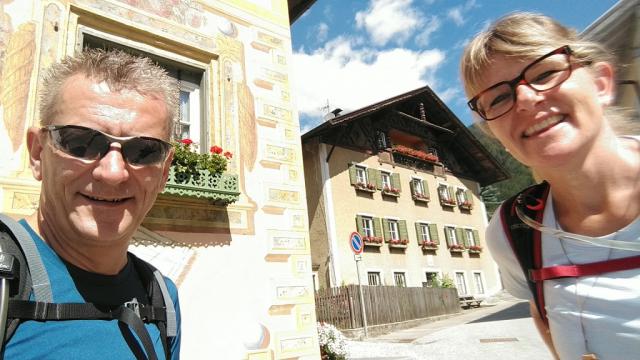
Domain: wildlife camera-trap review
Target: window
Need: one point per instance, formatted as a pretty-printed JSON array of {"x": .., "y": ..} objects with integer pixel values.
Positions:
[
  {"x": 432, "y": 279},
  {"x": 418, "y": 188},
  {"x": 477, "y": 279},
  {"x": 189, "y": 117},
  {"x": 450, "y": 232},
  {"x": 461, "y": 283},
  {"x": 444, "y": 193},
  {"x": 470, "y": 238},
  {"x": 374, "y": 278},
  {"x": 367, "y": 226},
  {"x": 393, "y": 230},
  {"x": 424, "y": 232},
  {"x": 460, "y": 196},
  {"x": 361, "y": 174},
  {"x": 399, "y": 278},
  {"x": 386, "y": 180}
]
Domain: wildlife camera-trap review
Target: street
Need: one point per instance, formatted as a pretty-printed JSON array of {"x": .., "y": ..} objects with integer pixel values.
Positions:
[{"x": 501, "y": 331}]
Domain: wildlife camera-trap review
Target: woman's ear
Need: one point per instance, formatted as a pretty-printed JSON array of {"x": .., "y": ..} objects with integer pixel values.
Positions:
[
  {"x": 603, "y": 75},
  {"x": 35, "y": 147}
]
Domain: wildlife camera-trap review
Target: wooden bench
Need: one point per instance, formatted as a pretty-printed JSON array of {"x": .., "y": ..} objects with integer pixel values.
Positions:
[{"x": 468, "y": 301}]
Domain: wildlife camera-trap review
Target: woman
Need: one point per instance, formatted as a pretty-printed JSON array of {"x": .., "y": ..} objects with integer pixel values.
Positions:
[{"x": 543, "y": 93}]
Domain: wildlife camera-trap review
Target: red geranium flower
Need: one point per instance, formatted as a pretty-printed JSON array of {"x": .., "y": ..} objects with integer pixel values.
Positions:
[
  {"x": 216, "y": 150},
  {"x": 186, "y": 141},
  {"x": 228, "y": 154}
]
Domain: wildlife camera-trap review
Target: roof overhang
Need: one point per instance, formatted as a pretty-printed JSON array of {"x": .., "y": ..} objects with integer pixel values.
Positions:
[{"x": 297, "y": 8}]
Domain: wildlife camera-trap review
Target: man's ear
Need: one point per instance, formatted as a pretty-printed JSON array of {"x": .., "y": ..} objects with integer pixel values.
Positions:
[
  {"x": 603, "y": 75},
  {"x": 165, "y": 168},
  {"x": 35, "y": 147}
]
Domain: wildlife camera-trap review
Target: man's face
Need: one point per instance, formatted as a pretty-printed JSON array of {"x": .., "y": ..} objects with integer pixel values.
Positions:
[{"x": 99, "y": 202}]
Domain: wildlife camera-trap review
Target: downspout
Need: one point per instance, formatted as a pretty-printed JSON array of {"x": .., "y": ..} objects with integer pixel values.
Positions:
[{"x": 327, "y": 193}]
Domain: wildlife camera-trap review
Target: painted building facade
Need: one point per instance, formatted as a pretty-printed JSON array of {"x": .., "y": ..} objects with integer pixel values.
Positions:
[
  {"x": 405, "y": 174},
  {"x": 237, "y": 248}
]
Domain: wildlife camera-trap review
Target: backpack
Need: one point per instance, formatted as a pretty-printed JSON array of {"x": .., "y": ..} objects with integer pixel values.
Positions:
[
  {"x": 22, "y": 272},
  {"x": 526, "y": 244}
]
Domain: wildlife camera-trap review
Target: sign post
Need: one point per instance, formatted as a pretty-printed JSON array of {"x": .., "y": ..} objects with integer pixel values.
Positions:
[{"x": 357, "y": 245}]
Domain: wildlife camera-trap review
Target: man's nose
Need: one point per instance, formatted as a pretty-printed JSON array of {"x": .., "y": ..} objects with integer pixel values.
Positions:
[{"x": 112, "y": 168}]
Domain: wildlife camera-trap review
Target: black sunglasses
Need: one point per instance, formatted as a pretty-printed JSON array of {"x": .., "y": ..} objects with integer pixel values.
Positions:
[{"x": 90, "y": 144}]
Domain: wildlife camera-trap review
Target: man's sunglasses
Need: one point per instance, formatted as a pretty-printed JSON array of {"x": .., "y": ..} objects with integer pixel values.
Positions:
[{"x": 90, "y": 144}]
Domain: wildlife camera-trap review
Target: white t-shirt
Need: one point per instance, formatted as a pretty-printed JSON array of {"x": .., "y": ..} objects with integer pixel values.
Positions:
[{"x": 607, "y": 306}]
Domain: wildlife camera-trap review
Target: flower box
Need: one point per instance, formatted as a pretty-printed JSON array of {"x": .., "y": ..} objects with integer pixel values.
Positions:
[
  {"x": 474, "y": 249},
  {"x": 447, "y": 202},
  {"x": 418, "y": 154},
  {"x": 373, "y": 241},
  {"x": 420, "y": 197},
  {"x": 365, "y": 187},
  {"x": 221, "y": 188},
  {"x": 397, "y": 243},
  {"x": 456, "y": 248},
  {"x": 429, "y": 245},
  {"x": 391, "y": 191},
  {"x": 467, "y": 205}
]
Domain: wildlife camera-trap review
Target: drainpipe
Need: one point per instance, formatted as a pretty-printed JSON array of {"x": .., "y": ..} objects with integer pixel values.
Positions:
[{"x": 329, "y": 216}]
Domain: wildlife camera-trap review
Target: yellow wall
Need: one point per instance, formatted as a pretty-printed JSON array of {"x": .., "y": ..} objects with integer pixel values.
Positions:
[{"x": 245, "y": 287}]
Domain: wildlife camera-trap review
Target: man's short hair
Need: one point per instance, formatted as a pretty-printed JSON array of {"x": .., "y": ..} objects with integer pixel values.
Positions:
[{"x": 120, "y": 70}]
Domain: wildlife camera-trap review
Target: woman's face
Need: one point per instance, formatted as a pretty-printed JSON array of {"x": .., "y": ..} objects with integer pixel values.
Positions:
[{"x": 550, "y": 128}]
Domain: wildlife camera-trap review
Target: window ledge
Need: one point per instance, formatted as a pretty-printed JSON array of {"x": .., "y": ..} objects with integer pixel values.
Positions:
[
  {"x": 398, "y": 246},
  {"x": 449, "y": 204},
  {"x": 373, "y": 244},
  {"x": 391, "y": 193},
  {"x": 456, "y": 250},
  {"x": 222, "y": 189},
  {"x": 420, "y": 198}
]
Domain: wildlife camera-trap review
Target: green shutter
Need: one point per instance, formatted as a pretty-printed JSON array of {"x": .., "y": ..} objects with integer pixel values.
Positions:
[
  {"x": 425, "y": 187},
  {"x": 462, "y": 239},
  {"x": 395, "y": 181},
  {"x": 404, "y": 234},
  {"x": 419, "y": 232},
  {"x": 377, "y": 231},
  {"x": 385, "y": 230},
  {"x": 469, "y": 196},
  {"x": 371, "y": 175},
  {"x": 433, "y": 233},
  {"x": 412, "y": 186},
  {"x": 476, "y": 237},
  {"x": 359, "y": 226},
  {"x": 352, "y": 174},
  {"x": 451, "y": 193},
  {"x": 447, "y": 235}
]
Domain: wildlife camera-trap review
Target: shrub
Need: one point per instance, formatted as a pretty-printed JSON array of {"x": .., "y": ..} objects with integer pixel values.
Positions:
[{"x": 333, "y": 345}]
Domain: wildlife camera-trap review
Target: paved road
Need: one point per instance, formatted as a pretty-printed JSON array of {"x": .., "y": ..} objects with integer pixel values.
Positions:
[{"x": 501, "y": 331}]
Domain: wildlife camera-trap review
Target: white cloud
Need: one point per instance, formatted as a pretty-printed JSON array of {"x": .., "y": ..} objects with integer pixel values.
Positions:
[
  {"x": 353, "y": 78},
  {"x": 321, "y": 32},
  {"x": 387, "y": 20},
  {"x": 430, "y": 26},
  {"x": 457, "y": 14}
]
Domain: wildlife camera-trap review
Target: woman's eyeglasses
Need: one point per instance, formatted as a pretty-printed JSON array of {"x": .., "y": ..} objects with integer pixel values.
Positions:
[
  {"x": 543, "y": 74},
  {"x": 90, "y": 144}
]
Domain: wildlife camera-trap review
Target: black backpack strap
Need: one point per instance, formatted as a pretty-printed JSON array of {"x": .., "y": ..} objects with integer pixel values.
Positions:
[
  {"x": 159, "y": 296},
  {"x": 41, "y": 311},
  {"x": 525, "y": 241}
]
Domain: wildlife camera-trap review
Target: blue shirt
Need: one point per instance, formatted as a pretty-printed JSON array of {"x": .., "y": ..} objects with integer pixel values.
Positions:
[{"x": 78, "y": 339}]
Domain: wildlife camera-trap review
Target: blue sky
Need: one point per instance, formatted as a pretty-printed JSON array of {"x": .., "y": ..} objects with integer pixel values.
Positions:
[{"x": 352, "y": 53}]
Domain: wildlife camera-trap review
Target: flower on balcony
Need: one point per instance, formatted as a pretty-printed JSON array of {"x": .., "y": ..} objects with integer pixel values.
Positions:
[
  {"x": 398, "y": 241},
  {"x": 466, "y": 204},
  {"x": 372, "y": 239},
  {"x": 455, "y": 247},
  {"x": 448, "y": 201},
  {"x": 475, "y": 248},
  {"x": 187, "y": 161},
  {"x": 365, "y": 186},
  {"x": 426, "y": 244},
  {"x": 391, "y": 190},
  {"x": 416, "y": 153},
  {"x": 420, "y": 196}
]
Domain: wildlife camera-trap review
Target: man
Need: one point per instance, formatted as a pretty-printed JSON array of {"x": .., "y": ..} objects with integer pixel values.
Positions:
[{"x": 102, "y": 155}]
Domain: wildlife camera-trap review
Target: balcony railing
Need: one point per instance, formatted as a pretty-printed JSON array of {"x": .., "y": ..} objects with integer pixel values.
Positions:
[{"x": 221, "y": 189}]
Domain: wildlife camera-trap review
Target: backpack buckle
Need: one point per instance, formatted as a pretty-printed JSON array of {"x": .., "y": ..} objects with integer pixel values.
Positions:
[{"x": 133, "y": 305}]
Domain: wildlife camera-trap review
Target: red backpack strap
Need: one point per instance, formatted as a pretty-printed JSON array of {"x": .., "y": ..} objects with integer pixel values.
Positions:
[
  {"x": 525, "y": 241},
  {"x": 594, "y": 268}
]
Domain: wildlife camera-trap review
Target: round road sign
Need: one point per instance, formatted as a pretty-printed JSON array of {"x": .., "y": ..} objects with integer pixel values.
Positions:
[{"x": 357, "y": 245}]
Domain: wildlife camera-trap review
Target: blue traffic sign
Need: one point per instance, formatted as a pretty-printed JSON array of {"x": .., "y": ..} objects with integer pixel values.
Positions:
[{"x": 357, "y": 245}]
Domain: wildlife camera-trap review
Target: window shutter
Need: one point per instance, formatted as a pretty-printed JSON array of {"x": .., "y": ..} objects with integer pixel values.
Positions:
[
  {"x": 359, "y": 226},
  {"x": 425, "y": 187},
  {"x": 476, "y": 237},
  {"x": 377, "y": 231},
  {"x": 418, "y": 232},
  {"x": 433, "y": 233},
  {"x": 412, "y": 186},
  {"x": 395, "y": 181},
  {"x": 462, "y": 239},
  {"x": 352, "y": 174},
  {"x": 371, "y": 176},
  {"x": 402, "y": 225},
  {"x": 469, "y": 196},
  {"x": 386, "y": 230},
  {"x": 447, "y": 235},
  {"x": 451, "y": 192}
]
